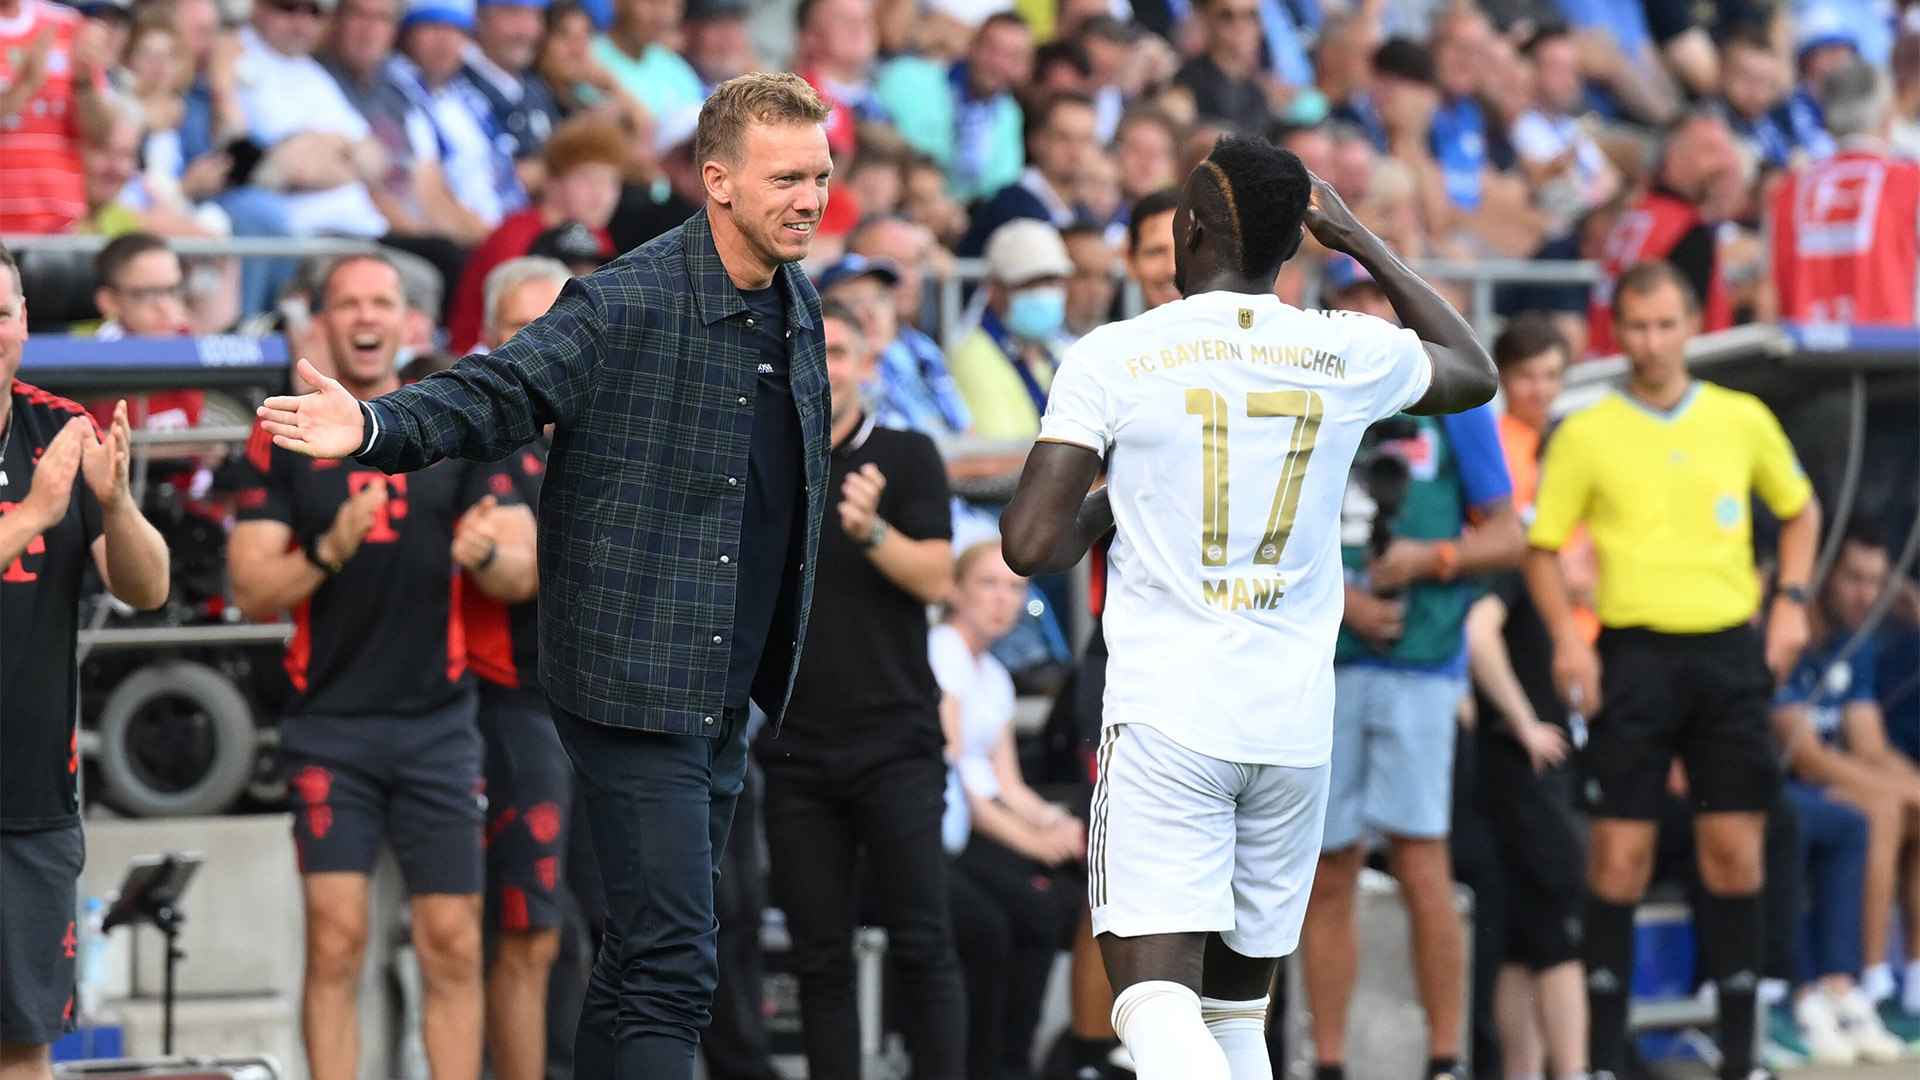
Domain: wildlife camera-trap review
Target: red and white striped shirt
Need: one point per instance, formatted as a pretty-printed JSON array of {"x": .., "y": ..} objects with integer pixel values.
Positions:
[{"x": 40, "y": 181}]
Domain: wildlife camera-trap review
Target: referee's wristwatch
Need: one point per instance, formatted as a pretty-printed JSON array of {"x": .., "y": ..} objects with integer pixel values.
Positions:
[
  {"x": 1795, "y": 594},
  {"x": 312, "y": 550}
]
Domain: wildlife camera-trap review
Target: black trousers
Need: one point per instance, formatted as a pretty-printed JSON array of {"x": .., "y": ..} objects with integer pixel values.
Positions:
[
  {"x": 736, "y": 1046},
  {"x": 1011, "y": 916},
  {"x": 659, "y": 808},
  {"x": 825, "y": 810}
]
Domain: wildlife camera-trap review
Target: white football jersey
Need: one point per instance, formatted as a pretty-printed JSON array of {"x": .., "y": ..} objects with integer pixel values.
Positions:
[{"x": 1229, "y": 423}]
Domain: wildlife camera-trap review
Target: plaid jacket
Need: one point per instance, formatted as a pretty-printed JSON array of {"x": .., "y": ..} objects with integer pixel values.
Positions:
[{"x": 646, "y": 369}]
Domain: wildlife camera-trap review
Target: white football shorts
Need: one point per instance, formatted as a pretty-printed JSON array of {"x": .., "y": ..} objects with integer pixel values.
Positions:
[{"x": 1181, "y": 842}]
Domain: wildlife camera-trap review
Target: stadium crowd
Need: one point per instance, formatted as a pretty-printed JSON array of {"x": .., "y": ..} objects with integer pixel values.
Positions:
[{"x": 1761, "y": 149}]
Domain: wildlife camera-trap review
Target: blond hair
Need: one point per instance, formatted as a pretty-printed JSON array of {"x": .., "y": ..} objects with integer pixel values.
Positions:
[
  {"x": 973, "y": 555},
  {"x": 761, "y": 97}
]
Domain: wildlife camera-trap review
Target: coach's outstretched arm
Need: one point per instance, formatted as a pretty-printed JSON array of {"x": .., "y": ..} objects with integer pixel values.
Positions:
[
  {"x": 1463, "y": 373},
  {"x": 1053, "y": 520},
  {"x": 483, "y": 408}
]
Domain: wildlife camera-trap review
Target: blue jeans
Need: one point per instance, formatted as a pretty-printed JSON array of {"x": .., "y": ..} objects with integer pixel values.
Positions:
[
  {"x": 1833, "y": 867},
  {"x": 659, "y": 808}
]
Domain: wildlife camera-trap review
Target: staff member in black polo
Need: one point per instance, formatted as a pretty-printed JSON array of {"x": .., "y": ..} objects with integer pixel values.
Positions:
[
  {"x": 64, "y": 502},
  {"x": 686, "y": 383},
  {"x": 858, "y": 768}
]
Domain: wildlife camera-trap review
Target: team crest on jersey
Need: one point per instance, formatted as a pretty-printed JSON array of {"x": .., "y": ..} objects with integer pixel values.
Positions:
[{"x": 1246, "y": 318}]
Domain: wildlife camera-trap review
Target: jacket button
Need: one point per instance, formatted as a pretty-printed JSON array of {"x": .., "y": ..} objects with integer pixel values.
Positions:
[
  {"x": 724, "y": 560},
  {"x": 716, "y": 639},
  {"x": 751, "y": 323},
  {"x": 743, "y": 401},
  {"x": 733, "y": 481},
  {"x": 706, "y": 719}
]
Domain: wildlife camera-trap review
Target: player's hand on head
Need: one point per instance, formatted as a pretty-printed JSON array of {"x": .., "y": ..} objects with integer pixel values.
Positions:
[
  {"x": 327, "y": 423},
  {"x": 1330, "y": 220},
  {"x": 106, "y": 463},
  {"x": 53, "y": 475}
]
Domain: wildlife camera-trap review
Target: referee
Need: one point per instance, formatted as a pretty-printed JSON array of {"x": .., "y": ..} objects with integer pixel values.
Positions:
[{"x": 1663, "y": 476}]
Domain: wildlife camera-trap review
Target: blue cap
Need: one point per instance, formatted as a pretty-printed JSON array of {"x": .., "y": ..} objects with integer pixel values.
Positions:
[
  {"x": 450, "y": 12},
  {"x": 1343, "y": 272},
  {"x": 848, "y": 267},
  {"x": 1820, "y": 25}
]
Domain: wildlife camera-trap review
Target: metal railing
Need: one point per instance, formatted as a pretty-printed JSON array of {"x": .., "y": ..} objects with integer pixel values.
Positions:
[{"x": 267, "y": 247}]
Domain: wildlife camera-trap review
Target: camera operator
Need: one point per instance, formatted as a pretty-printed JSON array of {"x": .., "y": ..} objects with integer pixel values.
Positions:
[
  {"x": 1399, "y": 676},
  {"x": 857, "y": 768}
]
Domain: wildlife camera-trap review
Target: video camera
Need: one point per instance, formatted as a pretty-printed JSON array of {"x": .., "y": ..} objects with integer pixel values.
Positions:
[{"x": 1377, "y": 487}]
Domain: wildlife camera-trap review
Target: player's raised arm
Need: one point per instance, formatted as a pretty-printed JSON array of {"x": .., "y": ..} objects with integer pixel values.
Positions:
[
  {"x": 1463, "y": 373},
  {"x": 1052, "y": 520}
]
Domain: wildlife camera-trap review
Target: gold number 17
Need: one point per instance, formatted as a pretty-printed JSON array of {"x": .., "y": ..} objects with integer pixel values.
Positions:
[{"x": 1211, "y": 407}]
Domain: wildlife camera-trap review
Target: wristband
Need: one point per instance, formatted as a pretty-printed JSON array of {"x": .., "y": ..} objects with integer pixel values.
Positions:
[
  {"x": 1795, "y": 594},
  {"x": 1446, "y": 559},
  {"x": 312, "y": 551}
]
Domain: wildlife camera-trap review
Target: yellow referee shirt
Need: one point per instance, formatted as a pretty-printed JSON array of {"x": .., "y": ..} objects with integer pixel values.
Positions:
[{"x": 1666, "y": 498}]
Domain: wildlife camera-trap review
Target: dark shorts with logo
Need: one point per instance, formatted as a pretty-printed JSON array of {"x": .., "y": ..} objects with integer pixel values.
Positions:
[
  {"x": 39, "y": 887},
  {"x": 414, "y": 781},
  {"x": 529, "y": 795},
  {"x": 1705, "y": 698}
]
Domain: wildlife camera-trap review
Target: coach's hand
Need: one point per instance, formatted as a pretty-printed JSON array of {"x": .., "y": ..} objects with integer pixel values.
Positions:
[
  {"x": 1330, "y": 220},
  {"x": 1787, "y": 637},
  {"x": 352, "y": 522},
  {"x": 325, "y": 424},
  {"x": 46, "y": 502},
  {"x": 105, "y": 463},
  {"x": 1576, "y": 674}
]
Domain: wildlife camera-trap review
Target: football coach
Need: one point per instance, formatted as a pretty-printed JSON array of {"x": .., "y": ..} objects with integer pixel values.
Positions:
[{"x": 686, "y": 382}]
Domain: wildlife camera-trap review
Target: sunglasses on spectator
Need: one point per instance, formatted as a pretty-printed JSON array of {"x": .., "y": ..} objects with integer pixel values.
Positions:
[
  {"x": 308, "y": 8},
  {"x": 151, "y": 294}
]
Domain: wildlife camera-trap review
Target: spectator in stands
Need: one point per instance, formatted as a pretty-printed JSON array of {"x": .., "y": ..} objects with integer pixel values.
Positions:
[
  {"x": 965, "y": 118},
  {"x": 1838, "y": 255},
  {"x": 1568, "y": 171},
  {"x": 434, "y": 38},
  {"x": 1347, "y": 286},
  {"x": 499, "y": 64},
  {"x": 912, "y": 390},
  {"x": 1091, "y": 288},
  {"x": 582, "y": 162},
  {"x": 1525, "y": 783},
  {"x": 1845, "y": 756},
  {"x": 141, "y": 288},
  {"x": 1342, "y": 60},
  {"x": 1227, "y": 81},
  {"x": 529, "y": 781},
  {"x": 925, "y": 199},
  {"x": 634, "y": 54},
  {"x": 380, "y": 742},
  {"x": 1400, "y": 674},
  {"x": 1685, "y": 674},
  {"x": 212, "y": 117},
  {"x": 118, "y": 200},
  {"x": 570, "y": 67},
  {"x": 65, "y": 502},
  {"x": 714, "y": 40},
  {"x": 874, "y": 179},
  {"x": 834, "y": 48},
  {"x": 1106, "y": 40},
  {"x": 1005, "y": 364},
  {"x": 857, "y": 765},
  {"x": 1017, "y": 889},
  {"x": 1753, "y": 89},
  {"x": 1462, "y": 52},
  {"x": 1905, "y": 136},
  {"x": 1143, "y": 147},
  {"x": 413, "y": 192},
  {"x": 1059, "y": 143},
  {"x": 1150, "y": 261},
  {"x": 154, "y": 71},
  {"x": 1823, "y": 42},
  {"x": 54, "y": 67},
  {"x": 1671, "y": 222}
]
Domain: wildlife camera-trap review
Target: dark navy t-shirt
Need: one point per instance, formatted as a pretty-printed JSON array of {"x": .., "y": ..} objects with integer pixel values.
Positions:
[{"x": 773, "y": 491}]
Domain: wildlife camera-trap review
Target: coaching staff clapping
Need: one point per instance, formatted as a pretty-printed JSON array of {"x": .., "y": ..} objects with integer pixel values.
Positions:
[{"x": 686, "y": 382}]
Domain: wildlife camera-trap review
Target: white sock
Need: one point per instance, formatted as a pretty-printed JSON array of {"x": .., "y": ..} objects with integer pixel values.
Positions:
[
  {"x": 1877, "y": 982},
  {"x": 1160, "y": 1024},
  {"x": 1910, "y": 996},
  {"x": 1240, "y": 1027}
]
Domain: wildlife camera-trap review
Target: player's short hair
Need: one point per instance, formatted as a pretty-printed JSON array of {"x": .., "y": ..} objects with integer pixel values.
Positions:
[
  {"x": 8, "y": 264},
  {"x": 113, "y": 259},
  {"x": 1644, "y": 277},
  {"x": 760, "y": 97},
  {"x": 514, "y": 273},
  {"x": 1254, "y": 194},
  {"x": 585, "y": 140},
  {"x": 333, "y": 270},
  {"x": 1854, "y": 99},
  {"x": 972, "y": 555},
  {"x": 840, "y": 309},
  {"x": 1040, "y": 117},
  {"x": 1150, "y": 205},
  {"x": 1865, "y": 532},
  {"x": 1405, "y": 58},
  {"x": 1529, "y": 334}
]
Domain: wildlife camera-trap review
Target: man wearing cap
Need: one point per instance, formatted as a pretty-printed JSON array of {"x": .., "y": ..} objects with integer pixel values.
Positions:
[
  {"x": 1004, "y": 367},
  {"x": 912, "y": 390},
  {"x": 582, "y": 163},
  {"x": 1346, "y": 286},
  {"x": 1823, "y": 43},
  {"x": 435, "y": 36},
  {"x": 499, "y": 65}
]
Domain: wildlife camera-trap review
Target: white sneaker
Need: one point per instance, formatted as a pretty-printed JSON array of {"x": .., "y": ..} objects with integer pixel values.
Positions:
[
  {"x": 1820, "y": 1029},
  {"x": 1861, "y": 1025}
]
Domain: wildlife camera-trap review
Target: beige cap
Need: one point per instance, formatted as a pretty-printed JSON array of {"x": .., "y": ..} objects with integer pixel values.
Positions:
[{"x": 1024, "y": 249}]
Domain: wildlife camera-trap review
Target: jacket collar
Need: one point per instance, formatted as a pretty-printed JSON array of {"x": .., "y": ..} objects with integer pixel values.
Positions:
[{"x": 715, "y": 295}]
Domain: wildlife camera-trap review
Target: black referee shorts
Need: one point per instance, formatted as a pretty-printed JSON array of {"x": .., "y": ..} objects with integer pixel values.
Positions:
[
  {"x": 1704, "y": 697},
  {"x": 39, "y": 882}
]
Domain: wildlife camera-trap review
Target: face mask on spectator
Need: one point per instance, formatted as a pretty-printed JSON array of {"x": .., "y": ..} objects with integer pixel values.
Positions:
[{"x": 1036, "y": 313}]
